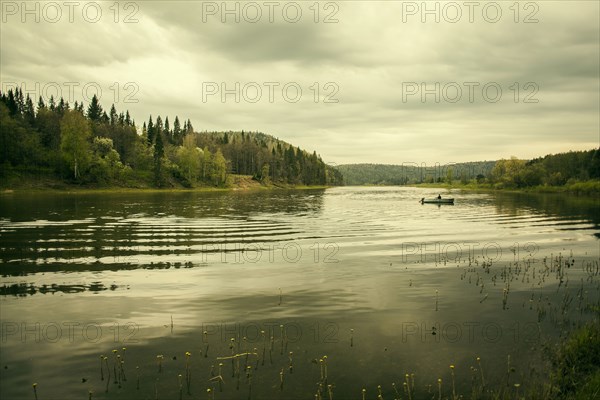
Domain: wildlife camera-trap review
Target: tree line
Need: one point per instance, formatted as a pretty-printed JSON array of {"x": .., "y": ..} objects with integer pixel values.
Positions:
[
  {"x": 92, "y": 146},
  {"x": 413, "y": 173},
  {"x": 551, "y": 170},
  {"x": 554, "y": 170}
]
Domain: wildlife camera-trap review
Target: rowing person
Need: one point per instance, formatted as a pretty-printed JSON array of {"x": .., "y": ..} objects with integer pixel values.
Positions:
[{"x": 439, "y": 196}]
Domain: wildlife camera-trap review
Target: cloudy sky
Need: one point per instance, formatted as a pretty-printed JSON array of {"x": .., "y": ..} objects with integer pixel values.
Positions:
[{"x": 357, "y": 81}]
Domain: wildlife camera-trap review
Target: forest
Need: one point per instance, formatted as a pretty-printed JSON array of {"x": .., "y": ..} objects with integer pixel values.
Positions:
[
  {"x": 57, "y": 144},
  {"x": 577, "y": 170},
  {"x": 412, "y": 173}
]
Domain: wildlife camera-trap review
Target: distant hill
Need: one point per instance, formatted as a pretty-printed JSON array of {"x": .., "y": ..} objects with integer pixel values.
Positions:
[
  {"x": 264, "y": 156},
  {"x": 385, "y": 174}
]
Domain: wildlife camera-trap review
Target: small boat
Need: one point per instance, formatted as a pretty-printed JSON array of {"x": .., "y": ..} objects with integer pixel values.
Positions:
[{"x": 437, "y": 201}]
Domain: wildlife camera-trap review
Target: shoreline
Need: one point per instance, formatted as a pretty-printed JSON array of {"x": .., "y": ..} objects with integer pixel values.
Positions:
[
  {"x": 578, "y": 188},
  {"x": 128, "y": 190},
  {"x": 236, "y": 183}
]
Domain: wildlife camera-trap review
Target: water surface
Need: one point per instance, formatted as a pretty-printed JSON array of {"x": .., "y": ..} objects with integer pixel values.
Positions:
[{"x": 380, "y": 284}]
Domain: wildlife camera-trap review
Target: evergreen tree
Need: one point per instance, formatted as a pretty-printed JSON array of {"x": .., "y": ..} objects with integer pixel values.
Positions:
[
  {"x": 177, "y": 134},
  {"x": 11, "y": 103},
  {"x": 168, "y": 130},
  {"x": 158, "y": 126},
  {"x": 113, "y": 115},
  {"x": 41, "y": 104},
  {"x": 29, "y": 111},
  {"x": 128, "y": 120},
  {"x": 62, "y": 107},
  {"x": 94, "y": 111},
  {"x": 151, "y": 132},
  {"x": 20, "y": 101},
  {"x": 159, "y": 152}
]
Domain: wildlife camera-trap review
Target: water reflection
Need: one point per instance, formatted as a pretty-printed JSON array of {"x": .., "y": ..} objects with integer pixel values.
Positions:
[{"x": 152, "y": 272}]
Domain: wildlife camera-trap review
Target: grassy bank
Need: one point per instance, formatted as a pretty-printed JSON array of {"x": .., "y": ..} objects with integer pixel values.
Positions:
[
  {"x": 576, "y": 364},
  {"x": 48, "y": 184}
]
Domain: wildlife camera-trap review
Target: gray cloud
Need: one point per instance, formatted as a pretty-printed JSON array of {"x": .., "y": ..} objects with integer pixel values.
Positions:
[{"x": 174, "y": 51}]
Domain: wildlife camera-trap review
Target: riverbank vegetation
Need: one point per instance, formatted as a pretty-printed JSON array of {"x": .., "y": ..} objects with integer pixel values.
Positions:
[
  {"x": 59, "y": 146},
  {"x": 575, "y": 172}
]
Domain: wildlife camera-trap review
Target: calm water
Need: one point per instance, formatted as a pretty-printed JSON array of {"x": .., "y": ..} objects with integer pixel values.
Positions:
[{"x": 380, "y": 284}]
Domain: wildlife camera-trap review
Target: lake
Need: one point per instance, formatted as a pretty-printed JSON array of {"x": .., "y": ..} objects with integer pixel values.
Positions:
[{"x": 289, "y": 294}]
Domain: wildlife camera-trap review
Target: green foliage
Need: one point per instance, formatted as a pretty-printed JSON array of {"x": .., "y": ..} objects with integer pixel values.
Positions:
[
  {"x": 189, "y": 158},
  {"x": 265, "y": 175},
  {"x": 576, "y": 364},
  {"x": 564, "y": 169},
  {"x": 218, "y": 169},
  {"x": 19, "y": 144},
  {"x": 106, "y": 166},
  {"x": 75, "y": 132},
  {"x": 100, "y": 148},
  {"x": 94, "y": 111},
  {"x": 410, "y": 173},
  {"x": 159, "y": 153}
]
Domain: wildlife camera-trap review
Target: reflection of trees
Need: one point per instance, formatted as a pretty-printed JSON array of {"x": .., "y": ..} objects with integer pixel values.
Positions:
[
  {"x": 66, "y": 207},
  {"x": 83, "y": 229},
  {"x": 560, "y": 205}
]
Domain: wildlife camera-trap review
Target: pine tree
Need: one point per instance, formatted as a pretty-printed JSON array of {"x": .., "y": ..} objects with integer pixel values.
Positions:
[
  {"x": 128, "y": 120},
  {"x": 159, "y": 152},
  {"x": 158, "y": 126},
  {"x": 94, "y": 112},
  {"x": 29, "y": 111},
  {"x": 42, "y": 105},
  {"x": 11, "y": 103},
  {"x": 177, "y": 134},
  {"x": 62, "y": 107},
  {"x": 168, "y": 130},
  {"x": 20, "y": 101},
  {"x": 113, "y": 115},
  {"x": 151, "y": 132}
]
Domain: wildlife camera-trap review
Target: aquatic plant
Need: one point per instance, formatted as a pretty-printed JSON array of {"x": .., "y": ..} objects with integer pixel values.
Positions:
[
  {"x": 188, "y": 372},
  {"x": 159, "y": 359},
  {"x": 453, "y": 382},
  {"x": 481, "y": 372}
]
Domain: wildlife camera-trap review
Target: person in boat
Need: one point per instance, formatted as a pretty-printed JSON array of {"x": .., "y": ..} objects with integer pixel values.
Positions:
[{"x": 439, "y": 196}]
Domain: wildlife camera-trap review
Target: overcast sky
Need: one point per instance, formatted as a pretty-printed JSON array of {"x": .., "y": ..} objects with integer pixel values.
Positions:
[{"x": 512, "y": 80}]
